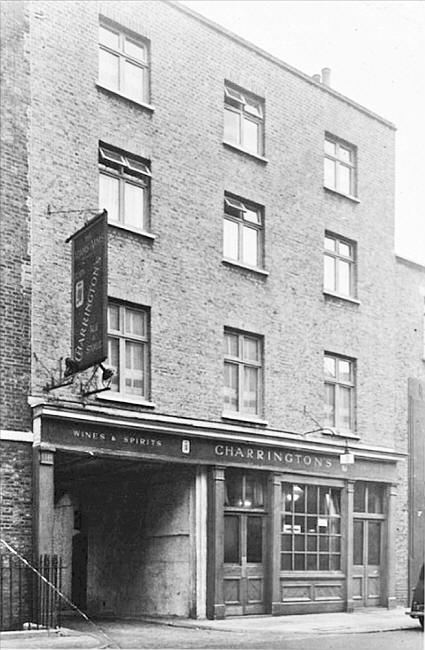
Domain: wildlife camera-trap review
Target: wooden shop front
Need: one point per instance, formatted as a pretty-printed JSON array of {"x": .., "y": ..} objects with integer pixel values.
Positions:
[{"x": 274, "y": 524}]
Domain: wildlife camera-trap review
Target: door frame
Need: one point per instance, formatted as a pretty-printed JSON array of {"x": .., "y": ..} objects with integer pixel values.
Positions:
[
  {"x": 362, "y": 601},
  {"x": 216, "y": 608},
  {"x": 243, "y": 570}
]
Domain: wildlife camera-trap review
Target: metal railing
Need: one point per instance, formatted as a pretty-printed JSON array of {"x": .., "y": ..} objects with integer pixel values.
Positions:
[{"x": 26, "y": 599}]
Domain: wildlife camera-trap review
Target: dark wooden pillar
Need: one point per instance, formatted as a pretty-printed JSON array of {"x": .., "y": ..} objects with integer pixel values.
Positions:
[
  {"x": 273, "y": 573},
  {"x": 347, "y": 540},
  {"x": 388, "y": 563},
  {"x": 215, "y": 549}
]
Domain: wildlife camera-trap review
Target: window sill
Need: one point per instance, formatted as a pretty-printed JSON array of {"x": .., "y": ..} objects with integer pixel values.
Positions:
[
  {"x": 239, "y": 265},
  {"x": 243, "y": 418},
  {"x": 331, "y": 294},
  {"x": 136, "y": 231},
  {"x": 332, "y": 190},
  {"x": 109, "y": 396},
  {"x": 117, "y": 93},
  {"x": 247, "y": 153}
]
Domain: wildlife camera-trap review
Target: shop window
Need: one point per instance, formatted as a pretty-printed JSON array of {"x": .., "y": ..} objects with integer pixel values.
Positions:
[
  {"x": 368, "y": 498},
  {"x": 128, "y": 343},
  {"x": 123, "y": 63},
  {"x": 124, "y": 186},
  {"x": 310, "y": 528}
]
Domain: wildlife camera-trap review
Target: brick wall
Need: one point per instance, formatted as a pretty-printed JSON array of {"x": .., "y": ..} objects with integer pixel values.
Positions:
[
  {"x": 180, "y": 275},
  {"x": 15, "y": 303},
  {"x": 15, "y": 261},
  {"x": 16, "y": 496}
]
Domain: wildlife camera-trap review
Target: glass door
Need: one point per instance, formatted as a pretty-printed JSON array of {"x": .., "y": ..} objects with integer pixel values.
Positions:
[
  {"x": 244, "y": 544},
  {"x": 367, "y": 544}
]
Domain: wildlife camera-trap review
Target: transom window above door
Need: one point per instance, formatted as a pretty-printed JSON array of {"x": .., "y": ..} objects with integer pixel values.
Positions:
[
  {"x": 244, "y": 489},
  {"x": 124, "y": 188},
  {"x": 243, "y": 120},
  {"x": 368, "y": 498},
  {"x": 243, "y": 232},
  {"x": 123, "y": 63}
]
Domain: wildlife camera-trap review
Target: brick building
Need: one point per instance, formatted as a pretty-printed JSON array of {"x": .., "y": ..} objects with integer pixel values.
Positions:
[{"x": 257, "y": 340}]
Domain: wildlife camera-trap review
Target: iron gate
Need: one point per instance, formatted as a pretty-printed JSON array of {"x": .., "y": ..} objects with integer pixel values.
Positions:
[{"x": 25, "y": 598}]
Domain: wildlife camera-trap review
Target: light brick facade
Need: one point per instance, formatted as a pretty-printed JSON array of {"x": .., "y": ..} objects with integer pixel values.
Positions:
[{"x": 56, "y": 113}]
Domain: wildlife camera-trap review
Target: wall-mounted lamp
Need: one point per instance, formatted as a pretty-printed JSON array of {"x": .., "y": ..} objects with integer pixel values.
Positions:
[{"x": 347, "y": 458}]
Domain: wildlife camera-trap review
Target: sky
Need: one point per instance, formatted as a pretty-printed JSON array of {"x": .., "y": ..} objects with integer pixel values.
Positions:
[{"x": 376, "y": 52}]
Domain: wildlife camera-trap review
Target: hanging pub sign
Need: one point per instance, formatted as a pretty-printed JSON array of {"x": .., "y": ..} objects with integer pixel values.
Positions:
[{"x": 89, "y": 294}]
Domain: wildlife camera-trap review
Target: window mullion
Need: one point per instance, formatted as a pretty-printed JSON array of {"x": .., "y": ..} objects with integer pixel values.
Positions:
[
  {"x": 122, "y": 364},
  {"x": 336, "y": 397},
  {"x": 240, "y": 386},
  {"x": 241, "y": 126},
  {"x": 121, "y": 199},
  {"x": 240, "y": 240}
]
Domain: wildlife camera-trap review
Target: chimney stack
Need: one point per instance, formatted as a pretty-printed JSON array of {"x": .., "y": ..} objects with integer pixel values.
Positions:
[{"x": 326, "y": 76}]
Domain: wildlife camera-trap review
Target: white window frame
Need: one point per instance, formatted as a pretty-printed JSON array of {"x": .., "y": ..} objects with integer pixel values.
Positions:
[
  {"x": 123, "y": 336},
  {"x": 124, "y": 57},
  {"x": 339, "y": 257},
  {"x": 339, "y": 163},
  {"x": 249, "y": 108},
  {"x": 241, "y": 206},
  {"x": 241, "y": 362},
  {"x": 339, "y": 383},
  {"x": 130, "y": 170}
]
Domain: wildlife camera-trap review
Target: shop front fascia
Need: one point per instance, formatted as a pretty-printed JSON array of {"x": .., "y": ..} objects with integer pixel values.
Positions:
[{"x": 283, "y": 514}]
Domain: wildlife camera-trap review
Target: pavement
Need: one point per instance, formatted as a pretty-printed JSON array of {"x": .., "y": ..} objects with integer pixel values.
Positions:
[{"x": 81, "y": 634}]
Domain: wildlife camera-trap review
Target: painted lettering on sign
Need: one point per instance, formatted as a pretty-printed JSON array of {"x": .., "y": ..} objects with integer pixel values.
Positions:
[
  {"x": 129, "y": 439},
  {"x": 271, "y": 456},
  {"x": 89, "y": 293}
]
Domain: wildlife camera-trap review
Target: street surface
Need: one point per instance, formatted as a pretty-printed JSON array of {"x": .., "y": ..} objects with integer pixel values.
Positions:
[{"x": 132, "y": 635}]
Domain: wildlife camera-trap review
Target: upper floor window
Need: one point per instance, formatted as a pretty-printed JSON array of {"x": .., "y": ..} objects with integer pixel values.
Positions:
[
  {"x": 242, "y": 373},
  {"x": 339, "y": 266},
  {"x": 340, "y": 166},
  {"x": 124, "y": 183},
  {"x": 339, "y": 393},
  {"x": 243, "y": 120},
  {"x": 123, "y": 63},
  {"x": 242, "y": 232},
  {"x": 128, "y": 356}
]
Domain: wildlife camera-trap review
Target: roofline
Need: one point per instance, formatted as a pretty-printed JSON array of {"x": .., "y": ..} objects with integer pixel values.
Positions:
[
  {"x": 266, "y": 55},
  {"x": 408, "y": 262}
]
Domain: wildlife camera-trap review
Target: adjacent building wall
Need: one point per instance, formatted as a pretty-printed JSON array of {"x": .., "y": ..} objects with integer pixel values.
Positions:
[
  {"x": 15, "y": 279},
  {"x": 410, "y": 422}
]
